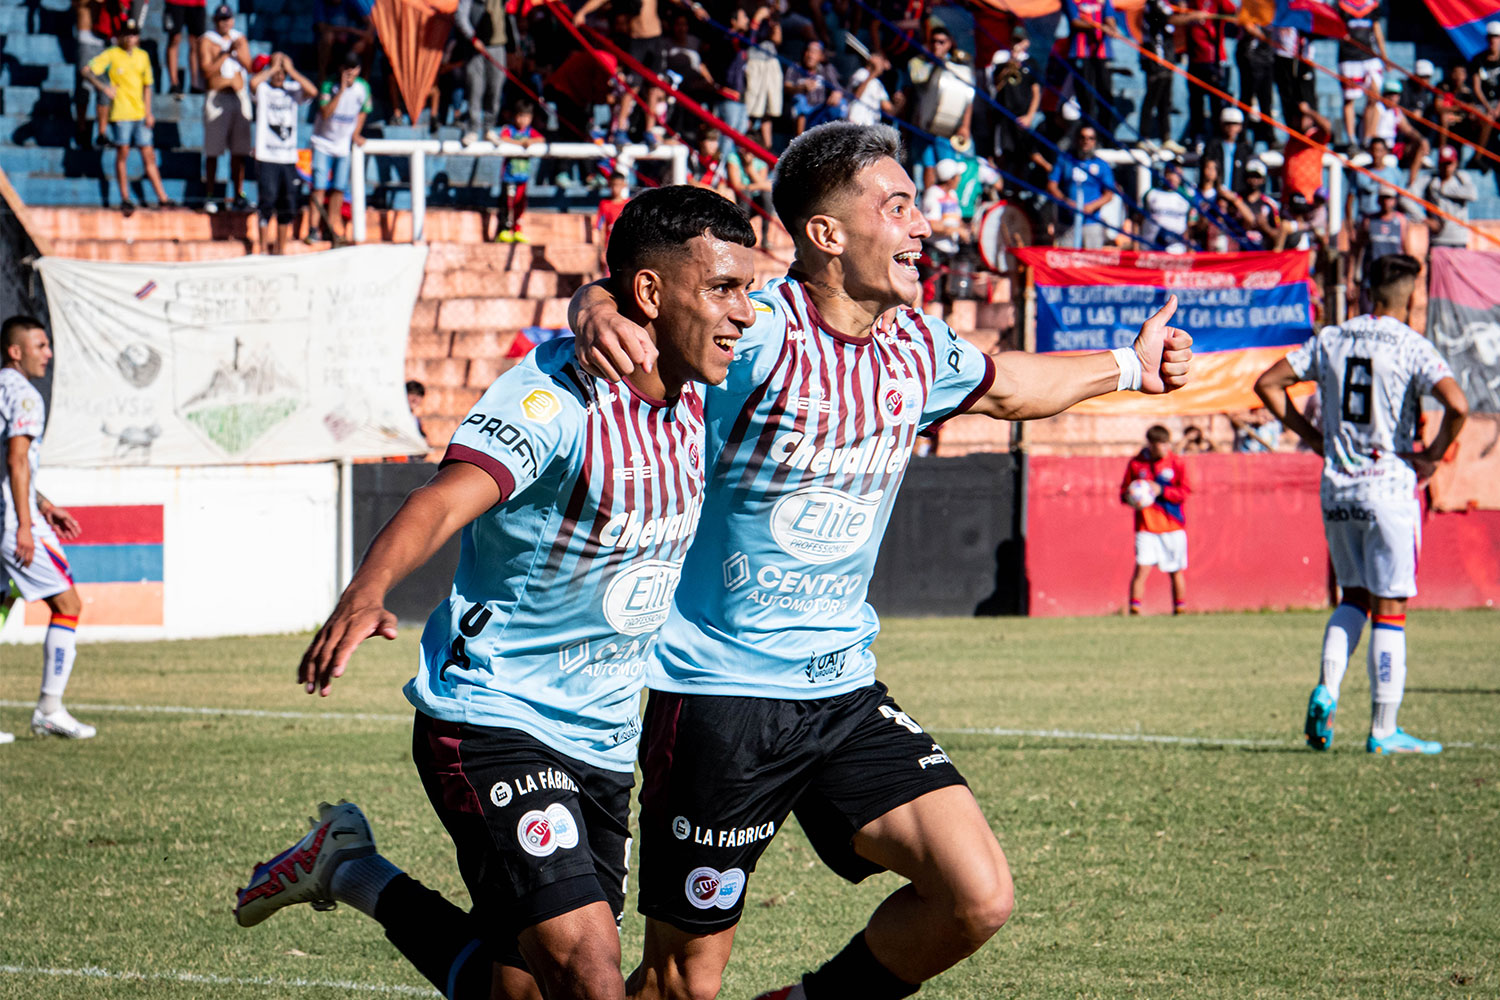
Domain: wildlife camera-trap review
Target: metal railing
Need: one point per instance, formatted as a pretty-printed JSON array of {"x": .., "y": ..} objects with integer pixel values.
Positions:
[{"x": 417, "y": 151}]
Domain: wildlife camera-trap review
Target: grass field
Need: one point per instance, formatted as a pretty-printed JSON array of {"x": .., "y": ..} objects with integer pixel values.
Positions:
[{"x": 1241, "y": 865}]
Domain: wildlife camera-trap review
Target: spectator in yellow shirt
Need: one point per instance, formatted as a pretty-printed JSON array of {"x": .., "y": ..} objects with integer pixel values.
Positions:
[{"x": 122, "y": 73}]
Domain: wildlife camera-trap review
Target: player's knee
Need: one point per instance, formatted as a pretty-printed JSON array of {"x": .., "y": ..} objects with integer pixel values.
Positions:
[
  {"x": 697, "y": 982},
  {"x": 980, "y": 918},
  {"x": 66, "y": 603}
]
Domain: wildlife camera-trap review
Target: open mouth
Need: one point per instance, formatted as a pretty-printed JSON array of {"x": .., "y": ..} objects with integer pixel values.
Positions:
[
  {"x": 908, "y": 259},
  {"x": 726, "y": 344}
]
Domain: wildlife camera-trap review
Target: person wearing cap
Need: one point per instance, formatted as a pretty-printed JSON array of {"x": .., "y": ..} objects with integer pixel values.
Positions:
[
  {"x": 1385, "y": 119},
  {"x": 940, "y": 204},
  {"x": 182, "y": 17},
  {"x": 1082, "y": 184},
  {"x": 224, "y": 63},
  {"x": 1362, "y": 56},
  {"x": 1485, "y": 71},
  {"x": 1207, "y": 25},
  {"x": 279, "y": 91},
  {"x": 1092, "y": 23},
  {"x": 1419, "y": 99},
  {"x": 926, "y": 75},
  {"x": 122, "y": 73},
  {"x": 1451, "y": 190},
  {"x": 1230, "y": 149},
  {"x": 1265, "y": 215},
  {"x": 1305, "y": 223},
  {"x": 484, "y": 25},
  {"x": 97, "y": 22},
  {"x": 1169, "y": 213}
]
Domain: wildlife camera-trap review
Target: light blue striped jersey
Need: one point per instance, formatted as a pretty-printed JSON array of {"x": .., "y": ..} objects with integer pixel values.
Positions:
[
  {"x": 808, "y": 440},
  {"x": 562, "y": 587}
]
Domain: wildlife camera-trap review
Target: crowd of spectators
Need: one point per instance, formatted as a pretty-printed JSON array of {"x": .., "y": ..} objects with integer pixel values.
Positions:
[{"x": 1037, "y": 122}]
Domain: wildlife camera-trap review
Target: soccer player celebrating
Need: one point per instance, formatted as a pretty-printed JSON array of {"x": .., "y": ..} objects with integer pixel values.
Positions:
[
  {"x": 30, "y": 550},
  {"x": 577, "y": 502},
  {"x": 1160, "y": 529},
  {"x": 764, "y": 694},
  {"x": 1371, "y": 372}
]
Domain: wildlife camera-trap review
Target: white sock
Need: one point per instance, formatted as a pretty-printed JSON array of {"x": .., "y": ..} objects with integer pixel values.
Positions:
[
  {"x": 1339, "y": 641},
  {"x": 1387, "y": 665},
  {"x": 58, "y": 653},
  {"x": 360, "y": 881}
]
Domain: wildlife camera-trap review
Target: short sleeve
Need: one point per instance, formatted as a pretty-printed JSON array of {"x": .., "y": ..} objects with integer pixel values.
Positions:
[
  {"x": 368, "y": 106},
  {"x": 1304, "y": 360},
  {"x": 325, "y": 93},
  {"x": 27, "y": 416},
  {"x": 1106, "y": 175},
  {"x": 1057, "y": 170},
  {"x": 146, "y": 75},
  {"x": 100, "y": 64},
  {"x": 964, "y": 374},
  {"x": 756, "y": 351},
  {"x": 1431, "y": 367},
  {"x": 519, "y": 427}
]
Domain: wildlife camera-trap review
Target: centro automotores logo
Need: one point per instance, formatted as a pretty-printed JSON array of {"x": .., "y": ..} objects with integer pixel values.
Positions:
[{"x": 819, "y": 525}]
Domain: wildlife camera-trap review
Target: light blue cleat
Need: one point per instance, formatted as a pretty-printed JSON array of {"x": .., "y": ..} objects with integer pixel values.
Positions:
[
  {"x": 1402, "y": 742},
  {"x": 1319, "y": 724}
]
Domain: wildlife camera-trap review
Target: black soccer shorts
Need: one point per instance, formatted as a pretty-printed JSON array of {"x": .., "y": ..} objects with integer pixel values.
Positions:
[
  {"x": 720, "y": 774},
  {"x": 537, "y": 833}
]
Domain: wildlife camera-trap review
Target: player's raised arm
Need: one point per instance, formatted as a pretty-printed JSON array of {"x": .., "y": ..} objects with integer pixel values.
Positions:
[
  {"x": 1028, "y": 386},
  {"x": 1272, "y": 388},
  {"x": 428, "y": 518},
  {"x": 609, "y": 345}
]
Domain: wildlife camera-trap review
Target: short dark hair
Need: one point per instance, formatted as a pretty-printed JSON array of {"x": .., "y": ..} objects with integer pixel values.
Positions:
[
  {"x": 415, "y": 388},
  {"x": 10, "y": 332},
  {"x": 823, "y": 163},
  {"x": 1392, "y": 277},
  {"x": 523, "y": 107},
  {"x": 660, "y": 222},
  {"x": 1157, "y": 434}
]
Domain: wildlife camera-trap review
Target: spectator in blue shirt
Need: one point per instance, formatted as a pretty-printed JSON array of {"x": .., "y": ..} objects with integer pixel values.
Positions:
[{"x": 1084, "y": 184}]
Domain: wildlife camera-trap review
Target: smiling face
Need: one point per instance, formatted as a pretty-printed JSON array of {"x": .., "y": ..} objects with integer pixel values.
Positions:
[
  {"x": 30, "y": 351},
  {"x": 702, "y": 306},
  {"x": 882, "y": 230}
]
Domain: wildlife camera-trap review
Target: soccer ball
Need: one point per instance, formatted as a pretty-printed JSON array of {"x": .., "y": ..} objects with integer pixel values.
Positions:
[{"x": 1140, "y": 493}]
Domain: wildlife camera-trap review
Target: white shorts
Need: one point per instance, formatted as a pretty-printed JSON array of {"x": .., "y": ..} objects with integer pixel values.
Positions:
[
  {"x": 1167, "y": 551},
  {"x": 1374, "y": 544},
  {"x": 1361, "y": 73},
  {"x": 48, "y": 575}
]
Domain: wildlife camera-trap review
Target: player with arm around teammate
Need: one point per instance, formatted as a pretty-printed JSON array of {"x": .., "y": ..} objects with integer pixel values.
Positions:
[
  {"x": 764, "y": 699},
  {"x": 1371, "y": 373},
  {"x": 30, "y": 551},
  {"x": 577, "y": 501}
]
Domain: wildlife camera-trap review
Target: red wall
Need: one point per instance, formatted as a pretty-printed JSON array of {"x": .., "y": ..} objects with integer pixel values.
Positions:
[{"x": 1255, "y": 540}]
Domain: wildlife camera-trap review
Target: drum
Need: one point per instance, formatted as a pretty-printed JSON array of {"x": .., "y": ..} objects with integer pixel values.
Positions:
[
  {"x": 941, "y": 106},
  {"x": 1002, "y": 226}
]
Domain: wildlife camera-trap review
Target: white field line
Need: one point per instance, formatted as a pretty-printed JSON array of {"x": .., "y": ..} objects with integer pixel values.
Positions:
[
  {"x": 1045, "y": 734},
  {"x": 204, "y": 979}
]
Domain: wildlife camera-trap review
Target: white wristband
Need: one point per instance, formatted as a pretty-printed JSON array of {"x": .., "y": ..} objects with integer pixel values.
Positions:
[{"x": 1130, "y": 368}]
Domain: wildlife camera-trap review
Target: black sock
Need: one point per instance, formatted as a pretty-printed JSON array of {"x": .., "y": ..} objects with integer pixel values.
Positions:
[
  {"x": 436, "y": 937},
  {"x": 855, "y": 972}
]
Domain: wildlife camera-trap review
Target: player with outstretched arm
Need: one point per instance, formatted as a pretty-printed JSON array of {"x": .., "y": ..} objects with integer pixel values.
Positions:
[
  {"x": 1371, "y": 373},
  {"x": 764, "y": 700},
  {"x": 577, "y": 501}
]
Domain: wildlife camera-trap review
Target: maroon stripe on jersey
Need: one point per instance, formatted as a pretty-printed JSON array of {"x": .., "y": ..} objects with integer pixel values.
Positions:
[
  {"x": 567, "y": 530},
  {"x": 973, "y": 397},
  {"x": 614, "y": 419},
  {"x": 487, "y": 463},
  {"x": 927, "y": 338},
  {"x": 784, "y": 360}
]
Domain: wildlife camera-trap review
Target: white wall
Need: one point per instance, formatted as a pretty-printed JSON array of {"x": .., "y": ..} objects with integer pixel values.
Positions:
[{"x": 246, "y": 550}]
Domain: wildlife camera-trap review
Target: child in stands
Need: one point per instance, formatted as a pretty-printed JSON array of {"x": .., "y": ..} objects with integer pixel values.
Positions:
[{"x": 515, "y": 172}]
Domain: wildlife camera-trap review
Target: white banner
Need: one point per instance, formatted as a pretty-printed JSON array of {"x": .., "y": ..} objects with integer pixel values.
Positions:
[{"x": 254, "y": 359}]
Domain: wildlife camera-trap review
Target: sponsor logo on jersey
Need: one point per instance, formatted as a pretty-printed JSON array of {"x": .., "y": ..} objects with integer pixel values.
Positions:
[
  {"x": 682, "y": 828},
  {"x": 606, "y": 659},
  {"x": 629, "y": 530},
  {"x": 542, "y": 832},
  {"x": 894, "y": 402},
  {"x": 541, "y": 406},
  {"x": 819, "y": 525},
  {"x": 500, "y": 793},
  {"x": 936, "y": 757},
  {"x": 873, "y": 456},
  {"x": 508, "y": 436},
  {"x": 736, "y": 571},
  {"x": 638, "y": 599},
  {"x": 708, "y": 887},
  {"x": 811, "y": 404},
  {"x": 825, "y": 668},
  {"x": 635, "y": 471},
  {"x": 804, "y": 593}
]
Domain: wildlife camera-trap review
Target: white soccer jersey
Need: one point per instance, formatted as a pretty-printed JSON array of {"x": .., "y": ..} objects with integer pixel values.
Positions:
[
  {"x": 1371, "y": 374},
  {"x": 22, "y": 414}
]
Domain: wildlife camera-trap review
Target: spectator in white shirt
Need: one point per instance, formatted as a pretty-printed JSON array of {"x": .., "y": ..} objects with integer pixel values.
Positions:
[
  {"x": 1169, "y": 212},
  {"x": 279, "y": 92}
]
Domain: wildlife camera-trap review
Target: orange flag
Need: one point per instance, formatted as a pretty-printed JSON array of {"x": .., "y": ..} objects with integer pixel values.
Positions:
[{"x": 414, "y": 33}]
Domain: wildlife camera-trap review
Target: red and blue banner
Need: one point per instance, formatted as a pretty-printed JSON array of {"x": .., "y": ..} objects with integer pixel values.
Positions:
[
  {"x": 117, "y": 565},
  {"x": 1245, "y": 311},
  {"x": 1465, "y": 21},
  {"x": 1311, "y": 17}
]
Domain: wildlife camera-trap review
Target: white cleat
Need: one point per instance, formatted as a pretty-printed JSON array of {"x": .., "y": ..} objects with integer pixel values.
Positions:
[
  {"x": 303, "y": 873},
  {"x": 61, "y": 723},
  {"x": 7, "y": 737}
]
